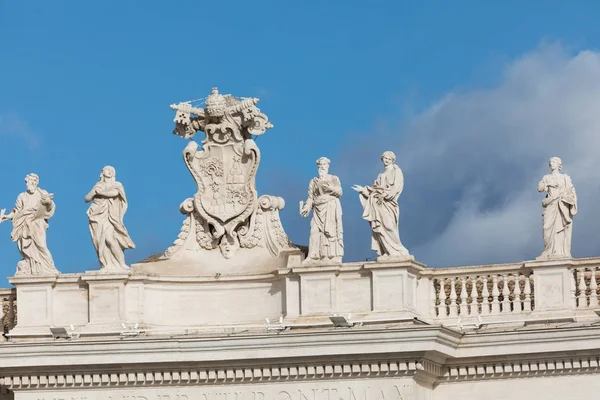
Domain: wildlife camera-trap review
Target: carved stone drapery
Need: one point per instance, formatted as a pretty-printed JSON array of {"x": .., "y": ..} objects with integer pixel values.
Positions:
[{"x": 226, "y": 215}]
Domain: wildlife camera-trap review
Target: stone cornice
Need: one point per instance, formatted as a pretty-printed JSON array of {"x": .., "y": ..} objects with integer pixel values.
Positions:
[
  {"x": 429, "y": 354},
  {"x": 324, "y": 343},
  {"x": 419, "y": 368},
  {"x": 522, "y": 367},
  {"x": 341, "y": 343},
  {"x": 200, "y": 375},
  {"x": 540, "y": 339}
]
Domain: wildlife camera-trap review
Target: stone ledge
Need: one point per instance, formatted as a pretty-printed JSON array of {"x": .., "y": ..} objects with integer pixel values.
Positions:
[{"x": 209, "y": 376}]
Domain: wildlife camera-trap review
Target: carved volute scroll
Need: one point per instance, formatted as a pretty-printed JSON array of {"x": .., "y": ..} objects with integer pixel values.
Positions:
[{"x": 226, "y": 215}]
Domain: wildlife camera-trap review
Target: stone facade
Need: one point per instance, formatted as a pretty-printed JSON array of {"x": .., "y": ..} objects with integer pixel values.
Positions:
[
  {"x": 406, "y": 332},
  {"x": 233, "y": 311}
]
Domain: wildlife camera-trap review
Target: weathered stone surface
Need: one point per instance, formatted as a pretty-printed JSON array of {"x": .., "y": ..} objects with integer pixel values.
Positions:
[
  {"x": 109, "y": 235},
  {"x": 30, "y": 216},
  {"x": 380, "y": 204},
  {"x": 560, "y": 206},
  {"x": 326, "y": 242},
  {"x": 227, "y": 228}
]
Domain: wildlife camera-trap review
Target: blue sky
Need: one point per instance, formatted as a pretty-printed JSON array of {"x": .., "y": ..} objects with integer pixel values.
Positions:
[{"x": 86, "y": 84}]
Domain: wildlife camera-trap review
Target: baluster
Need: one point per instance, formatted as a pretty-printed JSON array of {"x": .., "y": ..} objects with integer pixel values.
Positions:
[
  {"x": 464, "y": 307},
  {"x": 573, "y": 273},
  {"x": 474, "y": 302},
  {"x": 11, "y": 310},
  {"x": 517, "y": 291},
  {"x": 505, "y": 294},
  {"x": 485, "y": 297},
  {"x": 593, "y": 289},
  {"x": 582, "y": 288},
  {"x": 2, "y": 309},
  {"x": 527, "y": 292},
  {"x": 453, "y": 298},
  {"x": 443, "y": 297},
  {"x": 433, "y": 298},
  {"x": 495, "y": 294}
]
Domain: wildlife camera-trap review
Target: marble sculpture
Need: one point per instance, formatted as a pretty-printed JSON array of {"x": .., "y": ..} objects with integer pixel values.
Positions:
[
  {"x": 560, "y": 206},
  {"x": 326, "y": 243},
  {"x": 33, "y": 209},
  {"x": 109, "y": 235},
  {"x": 226, "y": 222},
  {"x": 380, "y": 204},
  {"x": 228, "y": 227}
]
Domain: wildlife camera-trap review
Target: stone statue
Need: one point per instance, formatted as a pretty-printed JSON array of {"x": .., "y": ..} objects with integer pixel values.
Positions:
[
  {"x": 560, "y": 206},
  {"x": 30, "y": 216},
  {"x": 228, "y": 227},
  {"x": 380, "y": 203},
  {"x": 106, "y": 212},
  {"x": 326, "y": 244}
]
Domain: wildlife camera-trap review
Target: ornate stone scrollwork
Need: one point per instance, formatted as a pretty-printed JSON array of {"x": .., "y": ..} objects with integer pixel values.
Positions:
[{"x": 226, "y": 213}]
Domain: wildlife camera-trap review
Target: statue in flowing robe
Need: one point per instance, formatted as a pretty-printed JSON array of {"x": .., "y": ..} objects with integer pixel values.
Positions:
[
  {"x": 560, "y": 206},
  {"x": 109, "y": 235},
  {"x": 380, "y": 204},
  {"x": 30, "y": 216},
  {"x": 326, "y": 243}
]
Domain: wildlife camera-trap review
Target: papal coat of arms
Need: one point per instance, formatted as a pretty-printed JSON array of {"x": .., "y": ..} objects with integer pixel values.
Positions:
[{"x": 226, "y": 215}]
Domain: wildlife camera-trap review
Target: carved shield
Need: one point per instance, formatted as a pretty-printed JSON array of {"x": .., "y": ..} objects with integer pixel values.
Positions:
[{"x": 226, "y": 181}]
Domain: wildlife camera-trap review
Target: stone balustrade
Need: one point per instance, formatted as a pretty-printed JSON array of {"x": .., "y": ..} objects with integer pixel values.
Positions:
[
  {"x": 584, "y": 287},
  {"x": 497, "y": 290},
  {"x": 297, "y": 297},
  {"x": 8, "y": 309}
]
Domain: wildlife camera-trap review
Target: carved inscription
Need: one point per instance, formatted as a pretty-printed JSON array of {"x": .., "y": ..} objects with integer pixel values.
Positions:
[{"x": 276, "y": 392}]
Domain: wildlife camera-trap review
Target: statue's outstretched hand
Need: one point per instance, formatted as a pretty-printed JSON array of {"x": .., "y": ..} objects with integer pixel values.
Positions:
[
  {"x": 304, "y": 212},
  {"x": 358, "y": 188}
]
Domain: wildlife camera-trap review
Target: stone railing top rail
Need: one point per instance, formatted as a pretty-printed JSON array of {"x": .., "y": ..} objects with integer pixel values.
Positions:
[
  {"x": 507, "y": 267},
  {"x": 420, "y": 269}
]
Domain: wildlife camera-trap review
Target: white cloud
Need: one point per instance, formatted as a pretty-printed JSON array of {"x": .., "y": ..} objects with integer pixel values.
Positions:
[
  {"x": 473, "y": 160},
  {"x": 12, "y": 125}
]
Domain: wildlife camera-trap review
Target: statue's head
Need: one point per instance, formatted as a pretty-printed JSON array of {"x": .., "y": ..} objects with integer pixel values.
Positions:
[
  {"x": 32, "y": 181},
  {"x": 216, "y": 104},
  {"x": 555, "y": 163},
  {"x": 323, "y": 165},
  {"x": 228, "y": 246},
  {"x": 388, "y": 158},
  {"x": 108, "y": 173}
]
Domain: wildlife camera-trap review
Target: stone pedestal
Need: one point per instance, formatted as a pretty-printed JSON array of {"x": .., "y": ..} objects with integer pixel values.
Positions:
[
  {"x": 553, "y": 288},
  {"x": 110, "y": 301},
  {"x": 395, "y": 285},
  {"x": 46, "y": 301},
  {"x": 99, "y": 303},
  {"x": 386, "y": 290}
]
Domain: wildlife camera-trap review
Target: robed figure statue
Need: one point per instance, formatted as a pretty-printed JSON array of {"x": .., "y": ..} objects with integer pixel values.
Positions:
[
  {"x": 30, "y": 216},
  {"x": 105, "y": 214},
  {"x": 326, "y": 243},
  {"x": 560, "y": 206},
  {"x": 380, "y": 203}
]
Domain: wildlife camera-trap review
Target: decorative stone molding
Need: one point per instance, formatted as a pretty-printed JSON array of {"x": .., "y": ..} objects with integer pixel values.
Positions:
[
  {"x": 423, "y": 370},
  {"x": 228, "y": 229},
  {"x": 208, "y": 376},
  {"x": 582, "y": 364}
]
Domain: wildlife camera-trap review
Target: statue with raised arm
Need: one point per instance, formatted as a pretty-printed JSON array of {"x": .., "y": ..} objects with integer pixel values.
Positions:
[
  {"x": 105, "y": 214},
  {"x": 326, "y": 243},
  {"x": 560, "y": 206},
  {"x": 33, "y": 209},
  {"x": 380, "y": 204}
]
